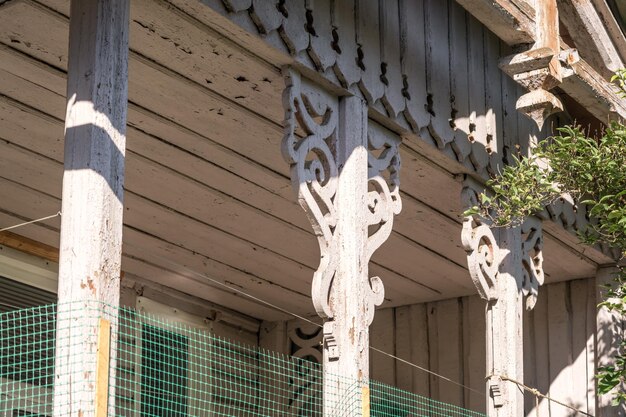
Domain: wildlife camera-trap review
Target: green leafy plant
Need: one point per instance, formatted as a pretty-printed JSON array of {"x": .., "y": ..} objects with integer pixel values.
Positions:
[{"x": 592, "y": 170}]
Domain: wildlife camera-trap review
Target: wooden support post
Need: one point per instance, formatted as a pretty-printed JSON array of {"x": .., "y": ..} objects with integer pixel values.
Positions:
[
  {"x": 506, "y": 266},
  {"x": 350, "y": 202},
  {"x": 91, "y": 226},
  {"x": 609, "y": 335},
  {"x": 505, "y": 336}
]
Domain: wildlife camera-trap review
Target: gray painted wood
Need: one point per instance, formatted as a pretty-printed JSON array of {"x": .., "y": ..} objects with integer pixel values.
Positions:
[
  {"x": 292, "y": 30},
  {"x": 493, "y": 97},
  {"x": 344, "y": 25},
  {"x": 368, "y": 33},
  {"x": 459, "y": 81},
  {"x": 267, "y": 18},
  {"x": 438, "y": 70},
  {"x": 391, "y": 74},
  {"x": 478, "y": 125},
  {"x": 424, "y": 336},
  {"x": 320, "y": 45},
  {"x": 414, "y": 62}
]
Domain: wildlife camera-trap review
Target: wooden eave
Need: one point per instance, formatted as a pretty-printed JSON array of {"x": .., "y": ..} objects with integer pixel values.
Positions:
[{"x": 208, "y": 194}]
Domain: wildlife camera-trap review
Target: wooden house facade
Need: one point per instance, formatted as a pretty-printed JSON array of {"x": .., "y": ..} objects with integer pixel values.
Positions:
[{"x": 261, "y": 163}]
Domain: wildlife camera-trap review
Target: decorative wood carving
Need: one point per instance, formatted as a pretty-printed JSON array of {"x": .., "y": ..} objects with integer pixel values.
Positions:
[
  {"x": 485, "y": 256},
  {"x": 532, "y": 260},
  {"x": 506, "y": 265},
  {"x": 358, "y": 51},
  {"x": 305, "y": 340},
  {"x": 482, "y": 249},
  {"x": 312, "y": 113},
  {"x": 314, "y": 172}
]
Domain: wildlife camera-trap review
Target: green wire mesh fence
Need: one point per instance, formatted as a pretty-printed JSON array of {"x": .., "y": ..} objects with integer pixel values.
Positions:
[{"x": 166, "y": 369}]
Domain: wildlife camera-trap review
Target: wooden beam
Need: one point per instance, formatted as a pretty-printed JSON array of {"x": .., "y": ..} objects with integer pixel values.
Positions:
[
  {"x": 92, "y": 206},
  {"x": 585, "y": 85},
  {"x": 504, "y": 18},
  {"x": 590, "y": 35},
  {"x": 30, "y": 246}
]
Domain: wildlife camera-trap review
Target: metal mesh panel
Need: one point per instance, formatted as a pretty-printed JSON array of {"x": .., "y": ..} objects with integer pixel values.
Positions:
[{"x": 166, "y": 369}]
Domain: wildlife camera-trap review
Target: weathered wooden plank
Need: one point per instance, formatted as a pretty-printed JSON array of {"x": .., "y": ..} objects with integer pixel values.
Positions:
[
  {"x": 403, "y": 336},
  {"x": 478, "y": 127},
  {"x": 30, "y": 246},
  {"x": 181, "y": 43},
  {"x": 473, "y": 359},
  {"x": 215, "y": 294},
  {"x": 590, "y": 35},
  {"x": 142, "y": 89},
  {"x": 560, "y": 345},
  {"x": 432, "y": 312},
  {"x": 580, "y": 336},
  {"x": 459, "y": 81},
  {"x": 202, "y": 113},
  {"x": 49, "y": 46},
  {"x": 449, "y": 334},
  {"x": 158, "y": 150},
  {"x": 540, "y": 337},
  {"x": 410, "y": 264},
  {"x": 292, "y": 31},
  {"x": 368, "y": 53},
  {"x": 530, "y": 377},
  {"x": 174, "y": 157},
  {"x": 418, "y": 220},
  {"x": 391, "y": 75},
  {"x": 344, "y": 27},
  {"x": 382, "y": 336},
  {"x": 438, "y": 70},
  {"x": 138, "y": 246},
  {"x": 319, "y": 27},
  {"x": 503, "y": 18},
  {"x": 400, "y": 289},
  {"x": 493, "y": 97},
  {"x": 266, "y": 17},
  {"x": 414, "y": 62},
  {"x": 161, "y": 221},
  {"x": 510, "y": 134},
  {"x": 592, "y": 308},
  {"x": 419, "y": 345},
  {"x": 418, "y": 181}
]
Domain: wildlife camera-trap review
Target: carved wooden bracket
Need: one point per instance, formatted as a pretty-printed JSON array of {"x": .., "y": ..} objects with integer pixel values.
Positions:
[
  {"x": 311, "y": 124},
  {"x": 532, "y": 260},
  {"x": 313, "y": 147},
  {"x": 484, "y": 254},
  {"x": 537, "y": 70},
  {"x": 482, "y": 249}
]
